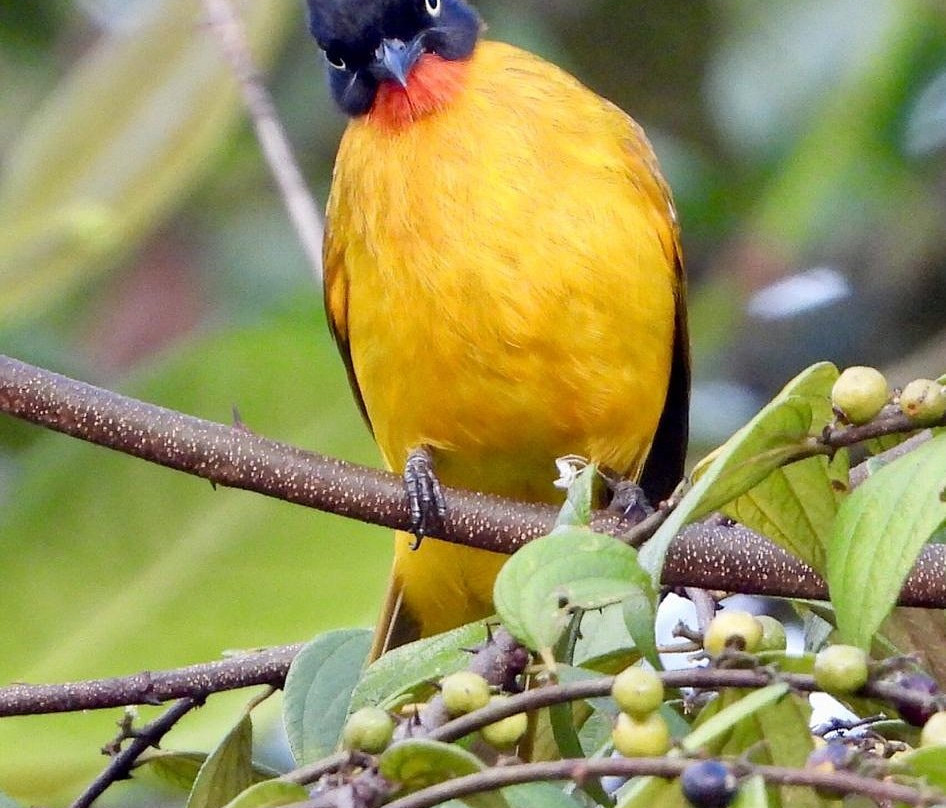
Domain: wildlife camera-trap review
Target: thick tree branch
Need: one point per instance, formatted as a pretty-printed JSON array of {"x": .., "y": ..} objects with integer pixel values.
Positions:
[{"x": 712, "y": 555}]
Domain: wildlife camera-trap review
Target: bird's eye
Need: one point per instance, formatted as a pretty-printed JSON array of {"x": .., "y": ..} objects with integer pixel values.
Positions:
[
  {"x": 335, "y": 61},
  {"x": 433, "y": 7}
]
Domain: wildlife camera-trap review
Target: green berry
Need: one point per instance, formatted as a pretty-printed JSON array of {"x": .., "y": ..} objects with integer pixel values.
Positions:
[
  {"x": 773, "y": 634},
  {"x": 463, "y": 692},
  {"x": 934, "y": 731},
  {"x": 860, "y": 393},
  {"x": 841, "y": 669},
  {"x": 506, "y": 732},
  {"x": 638, "y": 691},
  {"x": 923, "y": 401},
  {"x": 641, "y": 737},
  {"x": 708, "y": 784},
  {"x": 368, "y": 730},
  {"x": 739, "y": 631}
]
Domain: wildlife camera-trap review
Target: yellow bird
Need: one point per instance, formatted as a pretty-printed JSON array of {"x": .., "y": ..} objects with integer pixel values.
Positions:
[{"x": 502, "y": 276}]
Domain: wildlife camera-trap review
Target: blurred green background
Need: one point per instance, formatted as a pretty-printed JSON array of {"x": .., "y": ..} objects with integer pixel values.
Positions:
[{"x": 143, "y": 248}]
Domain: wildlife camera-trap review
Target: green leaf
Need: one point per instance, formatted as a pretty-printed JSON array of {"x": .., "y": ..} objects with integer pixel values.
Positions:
[
  {"x": 538, "y": 795},
  {"x": 652, "y": 792},
  {"x": 752, "y": 793},
  {"x": 779, "y": 433},
  {"x": 576, "y": 512},
  {"x": 318, "y": 691},
  {"x": 417, "y": 763},
  {"x": 929, "y": 763},
  {"x": 270, "y": 794},
  {"x": 227, "y": 771},
  {"x": 180, "y": 769},
  {"x": 881, "y": 528},
  {"x": 604, "y": 644},
  {"x": 640, "y": 611},
  {"x": 722, "y": 722},
  {"x": 569, "y": 746},
  {"x": 795, "y": 506},
  {"x": 116, "y": 148},
  {"x": 539, "y": 587},
  {"x": 407, "y": 672}
]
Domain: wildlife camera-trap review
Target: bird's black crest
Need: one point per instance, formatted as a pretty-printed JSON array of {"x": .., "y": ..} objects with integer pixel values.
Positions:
[{"x": 351, "y": 31}]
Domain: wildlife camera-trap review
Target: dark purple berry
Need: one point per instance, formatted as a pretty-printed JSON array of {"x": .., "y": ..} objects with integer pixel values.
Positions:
[
  {"x": 708, "y": 784},
  {"x": 920, "y": 683}
]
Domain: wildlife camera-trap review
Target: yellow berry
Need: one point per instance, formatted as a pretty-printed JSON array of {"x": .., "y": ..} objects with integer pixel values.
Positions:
[
  {"x": 638, "y": 691},
  {"x": 506, "y": 732},
  {"x": 860, "y": 393},
  {"x": 644, "y": 737},
  {"x": 738, "y": 631},
  {"x": 934, "y": 730},
  {"x": 923, "y": 401},
  {"x": 463, "y": 692},
  {"x": 368, "y": 730},
  {"x": 841, "y": 669}
]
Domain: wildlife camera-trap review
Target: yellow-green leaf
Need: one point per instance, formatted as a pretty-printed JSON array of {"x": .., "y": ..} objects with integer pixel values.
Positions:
[
  {"x": 270, "y": 794},
  {"x": 881, "y": 528},
  {"x": 227, "y": 771},
  {"x": 778, "y": 434}
]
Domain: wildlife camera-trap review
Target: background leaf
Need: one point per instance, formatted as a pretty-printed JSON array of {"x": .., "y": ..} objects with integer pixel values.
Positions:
[
  {"x": 270, "y": 794},
  {"x": 227, "y": 771},
  {"x": 318, "y": 690},
  {"x": 151, "y": 105},
  {"x": 881, "y": 528},
  {"x": 180, "y": 769}
]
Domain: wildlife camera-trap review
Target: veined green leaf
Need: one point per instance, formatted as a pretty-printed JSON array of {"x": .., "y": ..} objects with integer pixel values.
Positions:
[
  {"x": 227, "y": 771},
  {"x": 540, "y": 586},
  {"x": 881, "y": 528},
  {"x": 406, "y": 673},
  {"x": 270, "y": 794},
  {"x": 318, "y": 691},
  {"x": 779, "y": 433}
]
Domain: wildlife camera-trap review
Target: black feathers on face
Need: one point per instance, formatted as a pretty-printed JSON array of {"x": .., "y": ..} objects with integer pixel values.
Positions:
[{"x": 350, "y": 33}]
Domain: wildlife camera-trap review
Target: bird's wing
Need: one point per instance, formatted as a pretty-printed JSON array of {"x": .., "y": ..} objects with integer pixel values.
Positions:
[
  {"x": 665, "y": 462},
  {"x": 664, "y": 466},
  {"x": 336, "y": 309}
]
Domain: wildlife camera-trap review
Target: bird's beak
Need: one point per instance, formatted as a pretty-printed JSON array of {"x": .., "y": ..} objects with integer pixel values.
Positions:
[{"x": 394, "y": 59}]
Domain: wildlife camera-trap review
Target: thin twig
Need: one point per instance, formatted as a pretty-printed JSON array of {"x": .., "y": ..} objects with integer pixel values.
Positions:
[
  {"x": 120, "y": 766},
  {"x": 578, "y": 770},
  {"x": 302, "y": 208}
]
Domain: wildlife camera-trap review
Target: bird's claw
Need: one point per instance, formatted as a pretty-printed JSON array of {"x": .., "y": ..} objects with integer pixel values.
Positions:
[
  {"x": 424, "y": 495},
  {"x": 630, "y": 502}
]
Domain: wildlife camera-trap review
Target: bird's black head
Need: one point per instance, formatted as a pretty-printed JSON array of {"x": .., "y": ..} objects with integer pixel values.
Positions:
[{"x": 369, "y": 41}]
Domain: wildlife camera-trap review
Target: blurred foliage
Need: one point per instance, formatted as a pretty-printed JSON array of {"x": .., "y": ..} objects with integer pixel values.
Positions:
[{"x": 144, "y": 248}]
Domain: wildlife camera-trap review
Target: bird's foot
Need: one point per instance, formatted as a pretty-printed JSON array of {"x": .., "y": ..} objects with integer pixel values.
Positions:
[
  {"x": 424, "y": 496},
  {"x": 629, "y": 501}
]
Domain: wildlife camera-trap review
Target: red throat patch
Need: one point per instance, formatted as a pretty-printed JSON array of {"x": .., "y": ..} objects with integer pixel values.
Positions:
[{"x": 431, "y": 85}]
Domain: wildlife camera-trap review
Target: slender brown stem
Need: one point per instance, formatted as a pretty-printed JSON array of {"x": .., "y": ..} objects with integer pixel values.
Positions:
[{"x": 120, "y": 766}]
